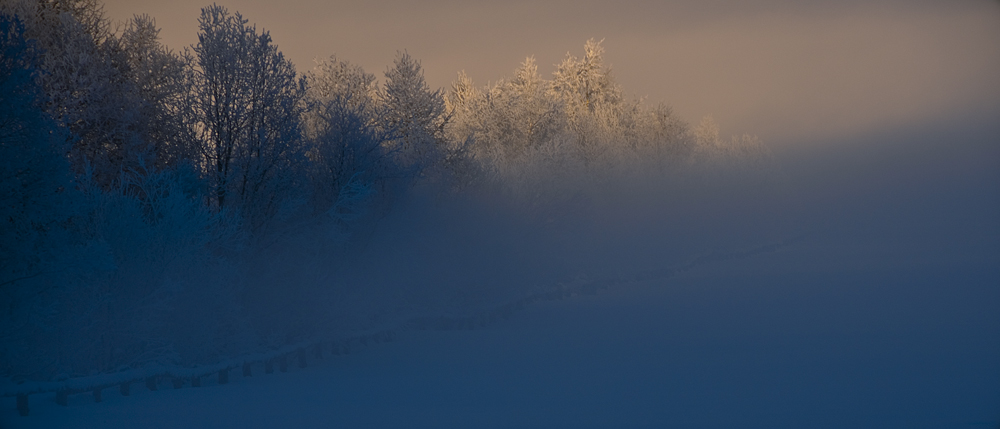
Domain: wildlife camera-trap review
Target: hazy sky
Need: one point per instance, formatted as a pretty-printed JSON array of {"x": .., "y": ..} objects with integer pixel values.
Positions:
[{"x": 784, "y": 70}]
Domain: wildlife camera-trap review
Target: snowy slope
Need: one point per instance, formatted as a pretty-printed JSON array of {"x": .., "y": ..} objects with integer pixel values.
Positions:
[
  {"x": 767, "y": 341},
  {"x": 883, "y": 315}
]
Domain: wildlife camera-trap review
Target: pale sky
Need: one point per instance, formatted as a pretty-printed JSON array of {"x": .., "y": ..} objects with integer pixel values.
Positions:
[{"x": 787, "y": 71}]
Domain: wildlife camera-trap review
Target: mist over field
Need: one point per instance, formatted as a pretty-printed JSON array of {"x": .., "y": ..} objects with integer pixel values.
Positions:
[{"x": 220, "y": 237}]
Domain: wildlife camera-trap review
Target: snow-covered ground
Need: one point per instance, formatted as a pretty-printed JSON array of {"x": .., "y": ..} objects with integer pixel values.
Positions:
[
  {"x": 883, "y": 315},
  {"x": 774, "y": 340}
]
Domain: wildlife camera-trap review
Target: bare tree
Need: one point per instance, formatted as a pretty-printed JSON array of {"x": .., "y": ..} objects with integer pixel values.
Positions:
[
  {"x": 162, "y": 80},
  {"x": 248, "y": 109},
  {"x": 346, "y": 133}
]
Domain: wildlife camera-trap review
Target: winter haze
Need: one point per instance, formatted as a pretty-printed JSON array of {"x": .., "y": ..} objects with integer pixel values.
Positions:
[
  {"x": 783, "y": 70},
  {"x": 773, "y": 214}
]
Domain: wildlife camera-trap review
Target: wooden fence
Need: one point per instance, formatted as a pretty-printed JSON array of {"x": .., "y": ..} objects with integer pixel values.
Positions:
[{"x": 299, "y": 354}]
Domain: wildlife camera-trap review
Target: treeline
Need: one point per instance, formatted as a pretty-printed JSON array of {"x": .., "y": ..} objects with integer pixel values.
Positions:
[{"x": 143, "y": 189}]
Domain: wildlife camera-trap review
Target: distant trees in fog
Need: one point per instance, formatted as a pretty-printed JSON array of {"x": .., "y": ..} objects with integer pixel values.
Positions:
[
  {"x": 139, "y": 183},
  {"x": 575, "y": 126}
]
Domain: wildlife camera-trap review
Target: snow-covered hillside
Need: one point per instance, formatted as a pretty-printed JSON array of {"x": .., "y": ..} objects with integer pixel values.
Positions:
[
  {"x": 818, "y": 334},
  {"x": 884, "y": 315},
  {"x": 210, "y": 237}
]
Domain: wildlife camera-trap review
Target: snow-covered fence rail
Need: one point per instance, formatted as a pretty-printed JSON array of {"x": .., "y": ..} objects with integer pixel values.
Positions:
[
  {"x": 564, "y": 291},
  {"x": 151, "y": 376}
]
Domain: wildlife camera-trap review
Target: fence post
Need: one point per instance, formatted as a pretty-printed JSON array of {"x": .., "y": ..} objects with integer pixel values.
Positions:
[{"x": 22, "y": 404}]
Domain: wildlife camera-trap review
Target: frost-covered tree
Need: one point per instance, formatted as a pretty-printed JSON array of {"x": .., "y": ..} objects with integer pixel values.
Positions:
[
  {"x": 509, "y": 119},
  {"x": 347, "y": 138},
  {"x": 669, "y": 138},
  {"x": 526, "y": 113},
  {"x": 707, "y": 137},
  {"x": 162, "y": 80},
  {"x": 35, "y": 186},
  {"x": 413, "y": 113},
  {"x": 460, "y": 105},
  {"x": 338, "y": 79},
  {"x": 576, "y": 127},
  {"x": 739, "y": 154},
  {"x": 248, "y": 110},
  {"x": 39, "y": 206},
  {"x": 593, "y": 102},
  {"x": 539, "y": 115},
  {"x": 585, "y": 83},
  {"x": 88, "y": 87}
]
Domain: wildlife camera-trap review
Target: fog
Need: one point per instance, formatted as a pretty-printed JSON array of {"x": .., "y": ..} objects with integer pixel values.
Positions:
[
  {"x": 789, "y": 72},
  {"x": 840, "y": 271},
  {"x": 920, "y": 197},
  {"x": 857, "y": 289}
]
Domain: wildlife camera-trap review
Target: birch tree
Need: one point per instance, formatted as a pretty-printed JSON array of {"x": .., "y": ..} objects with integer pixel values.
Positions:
[
  {"x": 585, "y": 83},
  {"x": 162, "y": 80},
  {"x": 346, "y": 134},
  {"x": 248, "y": 107}
]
